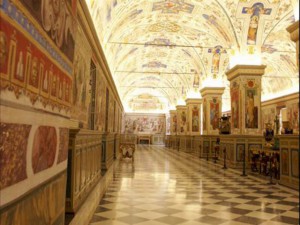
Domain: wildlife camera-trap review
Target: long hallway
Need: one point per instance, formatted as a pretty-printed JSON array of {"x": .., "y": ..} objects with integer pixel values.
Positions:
[{"x": 163, "y": 186}]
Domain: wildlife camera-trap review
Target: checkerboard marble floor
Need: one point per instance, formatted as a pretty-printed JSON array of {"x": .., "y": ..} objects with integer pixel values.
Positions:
[{"x": 165, "y": 187}]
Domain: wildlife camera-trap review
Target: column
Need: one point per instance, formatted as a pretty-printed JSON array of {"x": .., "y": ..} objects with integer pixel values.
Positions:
[
  {"x": 212, "y": 109},
  {"x": 245, "y": 92},
  {"x": 173, "y": 128},
  {"x": 294, "y": 32},
  {"x": 173, "y": 122},
  {"x": 193, "y": 116},
  {"x": 182, "y": 125}
]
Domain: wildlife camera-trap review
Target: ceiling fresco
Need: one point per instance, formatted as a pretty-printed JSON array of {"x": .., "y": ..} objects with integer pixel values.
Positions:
[{"x": 161, "y": 52}]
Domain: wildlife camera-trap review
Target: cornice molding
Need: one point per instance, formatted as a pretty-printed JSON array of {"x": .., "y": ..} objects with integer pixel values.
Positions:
[
  {"x": 294, "y": 31},
  {"x": 193, "y": 101},
  {"x": 212, "y": 91},
  {"x": 245, "y": 70}
]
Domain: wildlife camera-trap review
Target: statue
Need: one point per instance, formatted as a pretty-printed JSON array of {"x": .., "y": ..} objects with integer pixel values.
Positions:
[
  {"x": 225, "y": 127},
  {"x": 269, "y": 134},
  {"x": 276, "y": 121}
]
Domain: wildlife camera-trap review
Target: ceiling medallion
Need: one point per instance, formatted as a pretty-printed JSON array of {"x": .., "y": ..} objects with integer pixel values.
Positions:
[
  {"x": 173, "y": 6},
  {"x": 164, "y": 26}
]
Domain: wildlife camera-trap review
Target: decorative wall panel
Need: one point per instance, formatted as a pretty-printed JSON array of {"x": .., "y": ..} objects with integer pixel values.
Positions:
[
  {"x": 13, "y": 148},
  {"x": 100, "y": 102},
  {"x": 81, "y": 89},
  {"x": 56, "y": 20},
  {"x": 44, "y": 148},
  {"x": 145, "y": 123}
]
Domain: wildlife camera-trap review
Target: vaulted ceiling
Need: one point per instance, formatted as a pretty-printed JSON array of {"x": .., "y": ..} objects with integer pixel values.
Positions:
[{"x": 161, "y": 52}]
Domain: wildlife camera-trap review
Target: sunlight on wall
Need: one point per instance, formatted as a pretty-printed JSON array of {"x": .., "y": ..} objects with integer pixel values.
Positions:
[
  {"x": 280, "y": 94},
  {"x": 249, "y": 56},
  {"x": 180, "y": 102},
  {"x": 211, "y": 82},
  {"x": 296, "y": 10},
  {"x": 193, "y": 94}
]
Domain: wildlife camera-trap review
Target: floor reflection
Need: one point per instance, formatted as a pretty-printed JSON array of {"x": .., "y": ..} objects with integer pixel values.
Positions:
[{"x": 163, "y": 186}]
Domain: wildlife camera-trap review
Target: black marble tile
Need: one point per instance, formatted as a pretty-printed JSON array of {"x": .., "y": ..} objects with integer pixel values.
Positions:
[
  {"x": 295, "y": 204},
  {"x": 98, "y": 219},
  {"x": 249, "y": 220},
  {"x": 238, "y": 211},
  {"x": 167, "y": 211},
  {"x": 102, "y": 209},
  {"x": 171, "y": 220},
  {"x": 211, "y": 220},
  {"x": 271, "y": 210},
  {"x": 285, "y": 219},
  {"x": 131, "y": 219}
]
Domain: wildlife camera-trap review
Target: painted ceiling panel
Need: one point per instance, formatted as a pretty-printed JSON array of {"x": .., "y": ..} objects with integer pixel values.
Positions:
[{"x": 163, "y": 51}]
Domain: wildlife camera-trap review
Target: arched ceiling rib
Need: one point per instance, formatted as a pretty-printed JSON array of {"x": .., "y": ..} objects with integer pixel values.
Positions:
[{"x": 161, "y": 50}]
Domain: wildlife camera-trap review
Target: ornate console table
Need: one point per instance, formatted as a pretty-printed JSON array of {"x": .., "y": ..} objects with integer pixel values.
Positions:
[
  {"x": 144, "y": 137},
  {"x": 127, "y": 146}
]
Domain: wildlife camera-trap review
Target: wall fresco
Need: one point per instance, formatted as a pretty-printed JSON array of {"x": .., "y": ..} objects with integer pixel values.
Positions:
[
  {"x": 182, "y": 122},
  {"x": 56, "y": 21},
  {"x": 13, "y": 148},
  {"x": 195, "y": 119},
  {"x": 214, "y": 113},
  {"x": 293, "y": 115},
  {"x": 63, "y": 144},
  {"x": 235, "y": 106},
  {"x": 204, "y": 115},
  {"x": 111, "y": 113},
  {"x": 145, "y": 124},
  {"x": 174, "y": 123},
  {"x": 81, "y": 89},
  {"x": 44, "y": 148},
  {"x": 100, "y": 103},
  {"x": 268, "y": 116},
  {"x": 251, "y": 105}
]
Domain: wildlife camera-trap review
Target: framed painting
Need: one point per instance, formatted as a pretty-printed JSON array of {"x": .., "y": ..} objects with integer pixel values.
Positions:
[{"x": 240, "y": 149}]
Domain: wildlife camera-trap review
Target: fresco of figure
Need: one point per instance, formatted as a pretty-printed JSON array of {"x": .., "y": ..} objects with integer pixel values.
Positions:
[
  {"x": 3, "y": 49},
  {"x": 195, "y": 119},
  {"x": 183, "y": 121},
  {"x": 256, "y": 11},
  {"x": 252, "y": 31},
  {"x": 251, "y": 110},
  {"x": 20, "y": 67},
  {"x": 34, "y": 78}
]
